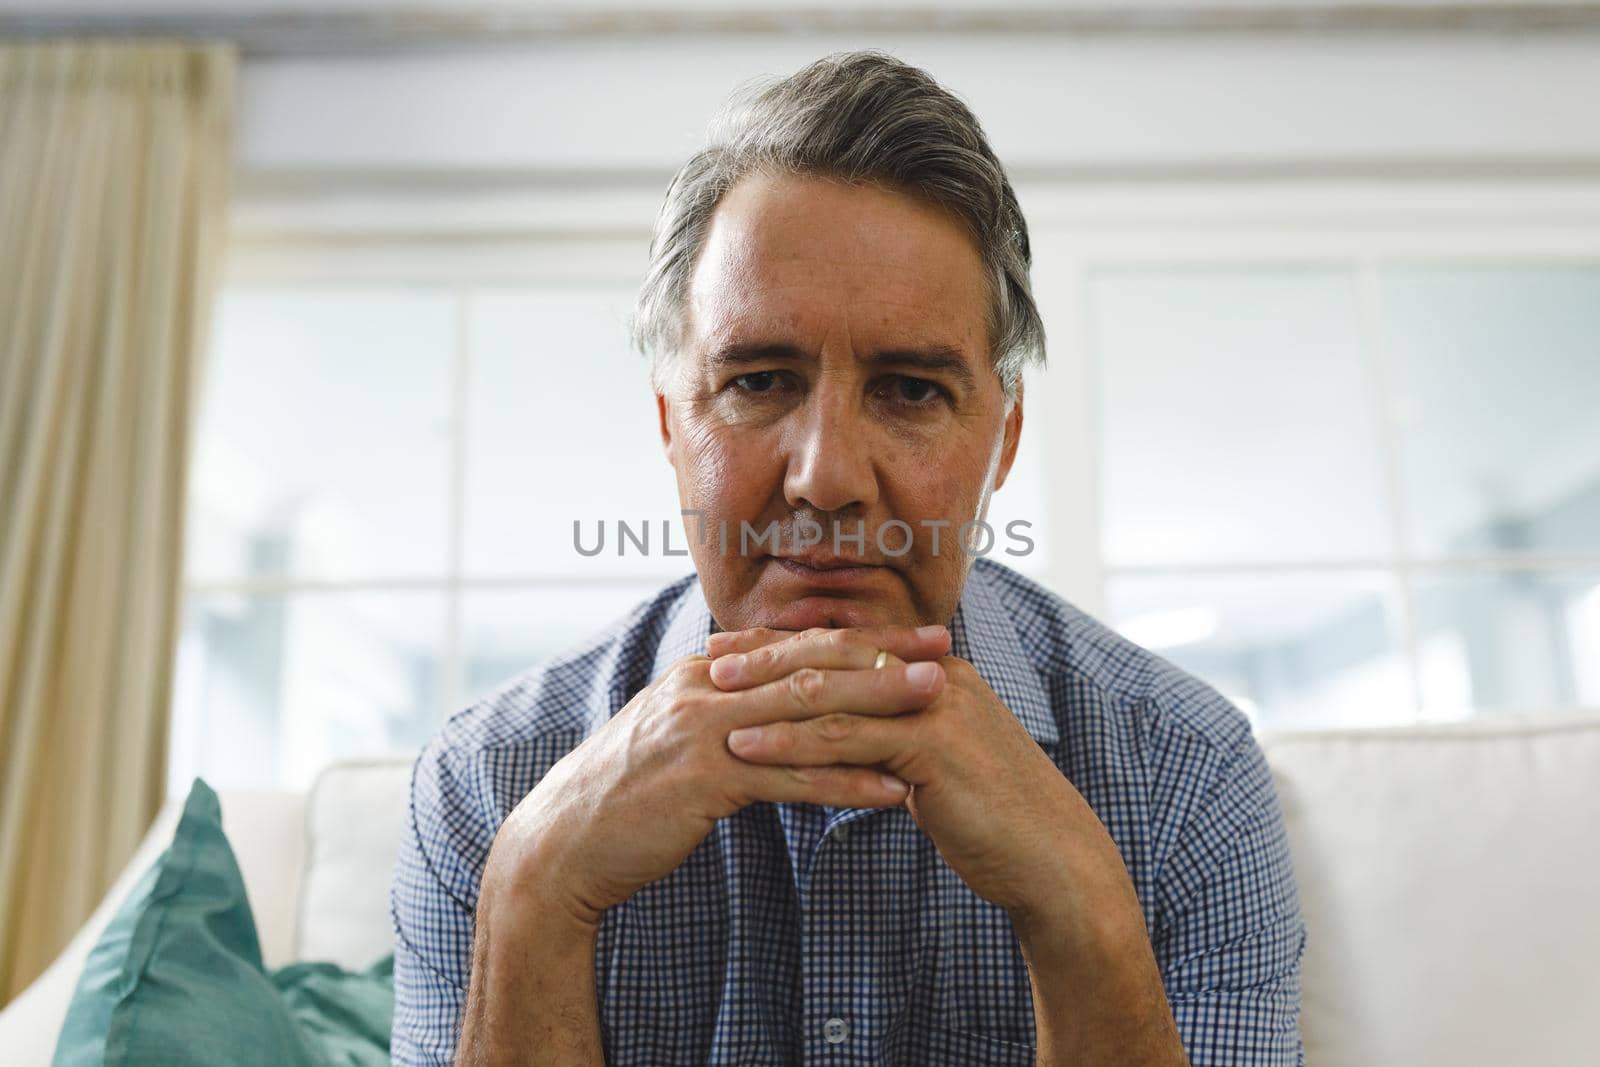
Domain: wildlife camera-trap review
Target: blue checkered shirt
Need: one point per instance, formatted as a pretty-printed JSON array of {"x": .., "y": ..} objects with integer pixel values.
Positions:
[{"x": 801, "y": 934}]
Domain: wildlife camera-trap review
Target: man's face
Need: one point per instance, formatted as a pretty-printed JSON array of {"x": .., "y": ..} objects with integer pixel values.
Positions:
[{"x": 835, "y": 369}]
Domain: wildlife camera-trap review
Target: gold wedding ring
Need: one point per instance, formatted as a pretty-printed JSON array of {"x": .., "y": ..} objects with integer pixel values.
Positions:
[{"x": 883, "y": 658}]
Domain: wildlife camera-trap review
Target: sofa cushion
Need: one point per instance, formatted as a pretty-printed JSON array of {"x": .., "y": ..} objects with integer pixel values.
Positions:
[
  {"x": 1448, "y": 876},
  {"x": 177, "y": 976},
  {"x": 355, "y": 815}
]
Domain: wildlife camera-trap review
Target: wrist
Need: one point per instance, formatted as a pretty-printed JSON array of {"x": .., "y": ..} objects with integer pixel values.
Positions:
[
  {"x": 532, "y": 993},
  {"x": 1095, "y": 940},
  {"x": 1082, "y": 929},
  {"x": 528, "y": 889}
]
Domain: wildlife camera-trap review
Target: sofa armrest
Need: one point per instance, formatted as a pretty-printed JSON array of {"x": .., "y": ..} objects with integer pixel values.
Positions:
[{"x": 30, "y": 1024}]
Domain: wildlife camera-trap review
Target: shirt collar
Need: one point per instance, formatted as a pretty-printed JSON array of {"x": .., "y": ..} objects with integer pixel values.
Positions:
[
  {"x": 981, "y": 633},
  {"x": 686, "y": 632}
]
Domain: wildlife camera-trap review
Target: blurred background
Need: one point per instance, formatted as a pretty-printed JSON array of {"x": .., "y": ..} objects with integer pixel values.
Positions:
[{"x": 1321, "y": 283}]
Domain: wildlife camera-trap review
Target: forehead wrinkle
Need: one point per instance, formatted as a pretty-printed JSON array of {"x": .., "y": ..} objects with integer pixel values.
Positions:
[
  {"x": 858, "y": 277},
  {"x": 761, "y": 277},
  {"x": 751, "y": 297},
  {"x": 745, "y": 325},
  {"x": 758, "y": 265}
]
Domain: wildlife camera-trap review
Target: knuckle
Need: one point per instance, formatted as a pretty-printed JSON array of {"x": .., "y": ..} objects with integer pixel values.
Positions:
[
  {"x": 803, "y": 776},
  {"x": 780, "y": 740},
  {"x": 689, "y": 703},
  {"x": 806, "y": 686},
  {"x": 765, "y": 657},
  {"x": 685, "y": 685},
  {"x": 691, "y": 669},
  {"x": 839, "y": 640},
  {"x": 835, "y": 727}
]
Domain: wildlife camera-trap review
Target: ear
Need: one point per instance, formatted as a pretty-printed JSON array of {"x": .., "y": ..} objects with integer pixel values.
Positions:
[
  {"x": 664, "y": 421},
  {"x": 1013, "y": 437}
]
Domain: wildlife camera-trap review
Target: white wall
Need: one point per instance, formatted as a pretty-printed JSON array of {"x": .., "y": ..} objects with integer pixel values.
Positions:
[
  {"x": 1049, "y": 101},
  {"x": 578, "y": 134}
]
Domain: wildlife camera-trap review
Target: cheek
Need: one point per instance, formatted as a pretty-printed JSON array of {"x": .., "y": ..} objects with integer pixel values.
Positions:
[
  {"x": 938, "y": 483},
  {"x": 722, "y": 472}
]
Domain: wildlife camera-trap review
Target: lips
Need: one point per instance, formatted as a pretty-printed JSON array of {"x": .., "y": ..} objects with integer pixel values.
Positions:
[
  {"x": 827, "y": 563},
  {"x": 827, "y": 572}
]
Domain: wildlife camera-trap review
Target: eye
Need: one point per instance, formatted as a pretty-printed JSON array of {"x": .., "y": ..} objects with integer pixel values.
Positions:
[
  {"x": 764, "y": 381},
  {"x": 912, "y": 392}
]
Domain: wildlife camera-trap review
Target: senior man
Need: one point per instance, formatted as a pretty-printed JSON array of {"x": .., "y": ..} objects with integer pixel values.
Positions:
[{"x": 845, "y": 796}]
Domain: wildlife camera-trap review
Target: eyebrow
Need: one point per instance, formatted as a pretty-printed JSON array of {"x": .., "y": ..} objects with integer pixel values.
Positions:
[{"x": 934, "y": 357}]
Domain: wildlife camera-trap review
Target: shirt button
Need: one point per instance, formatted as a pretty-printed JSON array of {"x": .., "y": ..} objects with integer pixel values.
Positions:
[
  {"x": 841, "y": 834},
  {"x": 835, "y": 1031}
]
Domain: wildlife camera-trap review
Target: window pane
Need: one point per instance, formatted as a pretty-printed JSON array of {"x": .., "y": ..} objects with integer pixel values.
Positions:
[
  {"x": 1289, "y": 650},
  {"x": 270, "y": 688},
  {"x": 1497, "y": 375},
  {"x": 1515, "y": 641},
  {"x": 1237, "y": 422},
  {"x": 563, "y": 428},
  {"x": 323, "y": 448},
  {"x": 507, "y": 631}
]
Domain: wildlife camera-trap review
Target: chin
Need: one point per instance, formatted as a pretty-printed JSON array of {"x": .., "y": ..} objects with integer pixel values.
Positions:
[{"x": 830, "y": 612}]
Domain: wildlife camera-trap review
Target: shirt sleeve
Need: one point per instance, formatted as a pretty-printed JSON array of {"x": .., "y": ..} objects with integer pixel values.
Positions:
[
  {"x": 1229, "y": 934},
  {"x": 432, "y": 903}
]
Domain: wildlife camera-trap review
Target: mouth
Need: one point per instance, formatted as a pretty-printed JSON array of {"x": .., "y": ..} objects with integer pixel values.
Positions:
[{"x": 828, "y": 572}]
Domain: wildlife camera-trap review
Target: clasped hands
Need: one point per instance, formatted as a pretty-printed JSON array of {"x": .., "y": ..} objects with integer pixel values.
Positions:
[
  {"x": 781, "y": 716},
  {"x": 806, "y": 718}
]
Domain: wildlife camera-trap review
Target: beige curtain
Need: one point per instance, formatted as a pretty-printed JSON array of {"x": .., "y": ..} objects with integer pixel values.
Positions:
[{"x": 114, "y": 165}]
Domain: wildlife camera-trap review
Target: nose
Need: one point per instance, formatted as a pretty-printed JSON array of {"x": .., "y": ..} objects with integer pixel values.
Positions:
[{"x": 829, "y": 452}]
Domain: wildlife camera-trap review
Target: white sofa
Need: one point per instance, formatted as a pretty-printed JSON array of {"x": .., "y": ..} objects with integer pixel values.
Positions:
[{"x": 1450, "y": 877}]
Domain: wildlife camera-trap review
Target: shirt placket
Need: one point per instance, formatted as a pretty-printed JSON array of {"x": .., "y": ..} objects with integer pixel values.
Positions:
[{"x": 832, "y": 1031}]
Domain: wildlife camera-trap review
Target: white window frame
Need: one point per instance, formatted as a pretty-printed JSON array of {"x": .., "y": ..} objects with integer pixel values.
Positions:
[
  {"x": 1361, "y": 227},
  {"x": 450, "y": 236}
]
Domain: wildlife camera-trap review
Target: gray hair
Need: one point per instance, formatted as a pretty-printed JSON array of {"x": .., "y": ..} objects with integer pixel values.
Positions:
[{"x": 860, "y": 117}]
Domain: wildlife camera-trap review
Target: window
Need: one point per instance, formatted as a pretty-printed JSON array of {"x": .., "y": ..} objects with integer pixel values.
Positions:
[
  {"x": 1355, "y": 494},
  {"x": 1334, "y": 452},
  {"x": 381, "y": 510}
]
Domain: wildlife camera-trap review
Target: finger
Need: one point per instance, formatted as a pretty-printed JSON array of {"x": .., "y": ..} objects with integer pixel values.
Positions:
[
  {"x": 834, "y": 787},
  {"x": 725, "y": 641},
  {"x": 810, "y": 691},
  {"x": 843, "y": 649},
  {"x": 857, "y": 740},
  {"x": 907, "y": 639}
]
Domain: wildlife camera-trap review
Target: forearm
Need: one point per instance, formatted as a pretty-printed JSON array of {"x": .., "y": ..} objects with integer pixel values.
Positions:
[
  {"x": 531, "y": 999},
  {"x": 1098, "y": 997}
]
